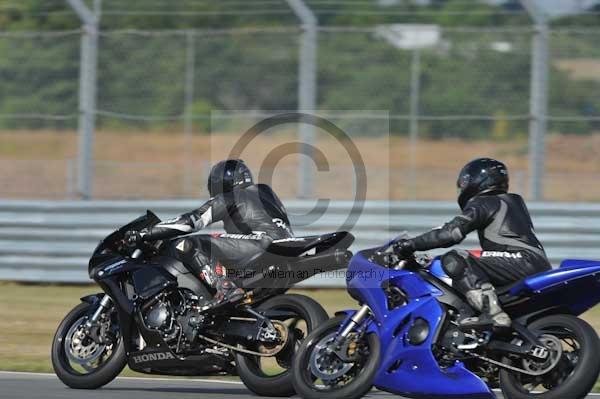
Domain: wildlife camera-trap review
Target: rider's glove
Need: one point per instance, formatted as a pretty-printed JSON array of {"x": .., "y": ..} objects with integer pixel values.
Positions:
[
  {"x": 404, "y": 247},
  {"x": 133, "y": 238}
]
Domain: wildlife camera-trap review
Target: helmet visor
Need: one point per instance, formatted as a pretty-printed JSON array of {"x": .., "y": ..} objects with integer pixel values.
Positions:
[{"x": 463, "y": 181}]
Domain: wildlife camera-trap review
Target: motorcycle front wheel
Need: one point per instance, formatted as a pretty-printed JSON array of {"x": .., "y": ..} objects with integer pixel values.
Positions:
[
  {"x": 326, "y": 370},
  {"x": 272, "y": 376},
  {"x": 79, "y": 361}
]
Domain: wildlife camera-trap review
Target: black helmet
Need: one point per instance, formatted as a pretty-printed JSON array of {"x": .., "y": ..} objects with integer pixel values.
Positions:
[
  {"x": 480, "y": 176},
  {"x": 226, "y": 175}
]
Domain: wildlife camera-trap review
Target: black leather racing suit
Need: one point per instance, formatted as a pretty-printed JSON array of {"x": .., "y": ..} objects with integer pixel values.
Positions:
[
  {"x": 253, "y": 217},
  {"x": 510, "y": 249}
]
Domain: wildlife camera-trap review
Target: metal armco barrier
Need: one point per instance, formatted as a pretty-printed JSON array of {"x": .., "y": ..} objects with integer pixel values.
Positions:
[{"x": 51, "y": 241}]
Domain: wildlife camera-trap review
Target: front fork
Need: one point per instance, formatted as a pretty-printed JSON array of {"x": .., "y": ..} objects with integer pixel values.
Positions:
[
  {"x": 95, "y": 330},
  {"x": 339, "y": 346},
  {"x": 355, "y": 320},
  {"x": 102, "y": 306}
]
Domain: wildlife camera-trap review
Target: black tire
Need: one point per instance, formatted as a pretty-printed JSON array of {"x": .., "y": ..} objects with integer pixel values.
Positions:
[
  {"x": 248, "y": 367},
  {"x": 356, "y": 388},
  {"x": 70, "y": 377},
  {"x": 583, "y": 376}
]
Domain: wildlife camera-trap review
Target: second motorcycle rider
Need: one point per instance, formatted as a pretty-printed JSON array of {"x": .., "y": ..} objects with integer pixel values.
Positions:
[{"x": 511, "y": 250}]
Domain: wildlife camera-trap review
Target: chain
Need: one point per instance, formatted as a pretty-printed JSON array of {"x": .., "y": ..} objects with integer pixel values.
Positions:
[
  {"x": 506, "y": 366},
  {"x": 235, "y": 348}
]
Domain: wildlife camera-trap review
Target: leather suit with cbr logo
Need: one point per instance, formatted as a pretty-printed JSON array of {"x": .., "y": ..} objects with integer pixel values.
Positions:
[
  {"x": 510, "y": 248},
  {"x": 252, "y": 216}
]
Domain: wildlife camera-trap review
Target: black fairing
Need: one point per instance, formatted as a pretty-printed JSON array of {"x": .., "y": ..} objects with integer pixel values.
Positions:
[
  {"x": 185, "y": 279},
  {"x": 111, "y": 245},
  {"x": 277, "y": 272},
  {"x": 99, "y": 259},
  {"x": 112, "y": 265},
  {"x": 151, "y": 280},
  {"x": 320, "y": 243},
  {"x": 169, "y": 364}
]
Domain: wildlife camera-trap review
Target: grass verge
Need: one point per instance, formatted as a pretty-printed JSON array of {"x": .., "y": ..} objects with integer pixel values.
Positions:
[{"x": 30, "y": 314}]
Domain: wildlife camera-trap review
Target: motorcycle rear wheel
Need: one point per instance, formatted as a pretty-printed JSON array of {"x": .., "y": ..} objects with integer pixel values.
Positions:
[
  {"x": 575, "y": 374},
  {"x": 275, "y": 378},
  {"x": 355, "y": 380}
]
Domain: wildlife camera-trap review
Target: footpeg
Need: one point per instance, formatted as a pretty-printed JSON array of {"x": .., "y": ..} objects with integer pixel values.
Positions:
[{"x": 477, "y": 341}]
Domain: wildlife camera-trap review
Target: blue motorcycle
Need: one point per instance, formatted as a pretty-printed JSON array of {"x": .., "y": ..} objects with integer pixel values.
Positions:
[{"x": 405, "y": 338}]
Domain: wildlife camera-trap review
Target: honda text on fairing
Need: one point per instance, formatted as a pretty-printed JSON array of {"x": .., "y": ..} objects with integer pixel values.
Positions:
[
  {"x": 151, "y": 316},
  {"x": 407, "y": 339}
]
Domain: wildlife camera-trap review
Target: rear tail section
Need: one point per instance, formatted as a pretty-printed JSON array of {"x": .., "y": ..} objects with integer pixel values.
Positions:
[
  {"x": 573, "y": 288},
  {"x": 292, "y": 271}
]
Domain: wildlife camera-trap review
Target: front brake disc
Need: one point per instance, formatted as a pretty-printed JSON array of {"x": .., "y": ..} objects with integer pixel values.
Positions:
[
  {"x": 325, "y": 363},
  {"x": 79, "y": 347}
]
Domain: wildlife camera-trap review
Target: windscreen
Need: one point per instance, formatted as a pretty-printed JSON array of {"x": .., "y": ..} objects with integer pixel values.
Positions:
[{"x": 111, "y": 242}]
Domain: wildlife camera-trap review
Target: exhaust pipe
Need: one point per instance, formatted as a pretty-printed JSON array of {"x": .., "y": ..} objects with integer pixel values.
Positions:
[
  {"x": 292, "y": 271},
  {"x": 329, "y": 260}
]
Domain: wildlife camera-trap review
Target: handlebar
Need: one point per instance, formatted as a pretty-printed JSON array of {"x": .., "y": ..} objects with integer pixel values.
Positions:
[
  {"x": 386, "y": 257},
  {"x": 401, "y": 265},
  {"x": 389, "y": 249},
  {"x": 137, "y": 254}
]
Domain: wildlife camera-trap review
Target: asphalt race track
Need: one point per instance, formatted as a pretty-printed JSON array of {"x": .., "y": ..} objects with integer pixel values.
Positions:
[{"x": 47, "y": 386}]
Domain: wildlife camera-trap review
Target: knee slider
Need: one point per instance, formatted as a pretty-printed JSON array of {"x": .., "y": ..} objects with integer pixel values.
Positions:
[{"x": 454, "y": 264}]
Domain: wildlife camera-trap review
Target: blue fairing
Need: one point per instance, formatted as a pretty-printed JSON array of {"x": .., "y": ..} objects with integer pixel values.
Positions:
[
  {"x": 570, "y": 263},
  {"x": 568, "y": 271},
  {"x": 572, "y": 288},
  {"x": 406, "y": 368},
  {"x": 436, "y": 269}
]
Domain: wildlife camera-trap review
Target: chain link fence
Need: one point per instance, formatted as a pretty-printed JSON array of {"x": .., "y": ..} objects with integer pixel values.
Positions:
[{"x": 449, "y": 95}]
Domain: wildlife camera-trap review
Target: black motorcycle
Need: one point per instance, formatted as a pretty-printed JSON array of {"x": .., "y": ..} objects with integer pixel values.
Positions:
[{"x": 151, "y": 316}]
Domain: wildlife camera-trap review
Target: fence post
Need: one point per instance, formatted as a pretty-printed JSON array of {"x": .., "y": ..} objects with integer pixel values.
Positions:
[
  {"x": 188, "y": 123},
  {"x": 415, "y": 87},
  {"x": 70, "y": 178},
  {"x": 87, "y": 94},
  {"x": 538, "y": 104},
  {"x": 307, "y": 88}
]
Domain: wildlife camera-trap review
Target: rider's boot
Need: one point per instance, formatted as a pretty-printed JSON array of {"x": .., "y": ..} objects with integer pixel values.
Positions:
[
  {"x": 227, "y": 291},
  {"x": 485, "y": 300}
]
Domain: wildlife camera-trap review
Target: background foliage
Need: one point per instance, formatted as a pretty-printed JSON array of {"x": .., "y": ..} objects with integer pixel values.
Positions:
[{"x": 143, "y": 75}]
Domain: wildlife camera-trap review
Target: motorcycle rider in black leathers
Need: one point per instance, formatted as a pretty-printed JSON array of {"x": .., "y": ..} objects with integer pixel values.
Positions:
[
  {"x": 252, "y": 214},
  {"x": 510, "y": 249}
]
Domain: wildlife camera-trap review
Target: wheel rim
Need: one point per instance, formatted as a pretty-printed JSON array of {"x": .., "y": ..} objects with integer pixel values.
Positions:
[
  {"x": 80, "y": 354},
  {"x": 275, "y": 366},
  {"x": 570, "y": 349}
]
